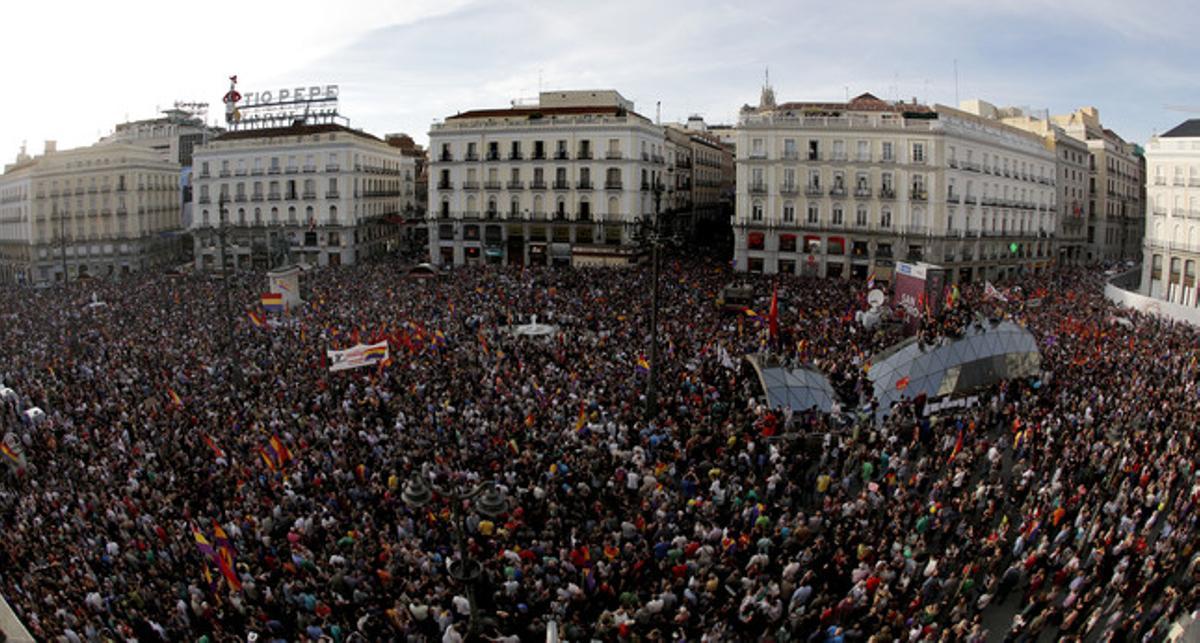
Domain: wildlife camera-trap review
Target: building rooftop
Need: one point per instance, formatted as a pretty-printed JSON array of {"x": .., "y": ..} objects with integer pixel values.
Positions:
[
  {"x": 865, "y": 102},
  {"x": 541, "y": 112},
  {"x": 1187, "y": 129},
  {"x": 293, "y": 130}
]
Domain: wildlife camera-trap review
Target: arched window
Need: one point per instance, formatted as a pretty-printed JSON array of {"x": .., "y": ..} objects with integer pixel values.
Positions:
[
  {"x": 292, "y": 215},
  {"x": 274, "y": 215},
  {"x": 257, "y": 216},
  {"x": 614, "y": 208},
  {"x": 445, "y": 208},
  {"x": 560, "y": 208},
  {"x": 471, "y": 209},
  {"x": 491, "y": 208},
  {"x": 585, "y": 210},
  {"x": 308, "y": 216},
  {"x": 514, "y": 207},
  {"x": 756, "y": 211},
  {"x": 241, "y": 216},
  {"x": 538, "y": 207},
  {"x": 333, "y": 215}
]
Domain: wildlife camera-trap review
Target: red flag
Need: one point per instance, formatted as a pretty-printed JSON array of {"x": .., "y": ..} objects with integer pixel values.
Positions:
[
  {"x": 902, "y": 383},
  {"x": 773, "y": 316}
]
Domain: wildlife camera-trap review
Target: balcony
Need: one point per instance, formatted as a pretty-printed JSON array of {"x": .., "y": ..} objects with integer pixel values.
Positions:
[
  {"x": 470, "y": 185},
  {"x": 562, "y": 185},
  {"x": 837, "y": 190},
  {"x": 952, "y": 164},
  {"x": 516, "y": 185},
  {"x": 584, "y": 185},
  {"x": 645, "y": 186},
  {"x": 613, "y": 185},
  {"x": 789, "y": 189},
  {"x": 838, "y": 156},
  {"x": 952, "y": 198},
  {"x": 918, "y": 160},
  {"x": 446, "y": 158},
  {"x": 561, "y": 155},
  {"x": 537, "y": 185},
  {"x": 332, "y": 167},
  {"x": 491, "y": 185},
  {"x": 516, "y": 156},
  {"x": 759, "y": 155},
  {"x": 538, "y": 156},
  {"x": 918, "y": 195},
  {"x": 758, "y": 188},
  {"x": 584, "y": 155},
  {"x": 292, "y": 169},
  {"x": 862, "y": 192},
  {"x": 309, "y": 195},
  {"x": 273, "y": 170},
  {"x": 887, "y": 159},
  {"x": 887, "y": 193},
  {"x": 614, "y": 155},
  {"x": 204, "y": 200},
  {"x": 791, "y": 155},
  {"x": 332, "y": 194},
  {"x": 241, "y": 198},
  {"x": 471, "y": 156},
  {"x": 241, "y": 171},
  {"x": 256, "y": 197},
  {"x": 492, "y": 156},
  {"x": 970, "y": 200},
  {"x": 224, "y": 174},
  {"x": 274, "y": 196}
]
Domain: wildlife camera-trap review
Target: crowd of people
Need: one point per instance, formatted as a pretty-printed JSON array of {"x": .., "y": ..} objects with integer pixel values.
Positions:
[{"x": 197, "y": 478}]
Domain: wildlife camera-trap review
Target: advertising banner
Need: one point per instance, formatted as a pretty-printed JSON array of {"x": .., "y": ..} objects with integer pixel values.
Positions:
[{"x": 358, "y": 356}]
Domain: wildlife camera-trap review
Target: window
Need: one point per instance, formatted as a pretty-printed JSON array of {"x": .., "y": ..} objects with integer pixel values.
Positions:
[
  {"x": 885, "y": 218},
  {"x": 814, "y": 179},
  {"x": 814, "y": 150},
  {"x": 333, "y": 217},
  {"x": 756, "y": 148},
  {"x": 837, "y": 214},
  {"x": 887, "y": 152},
  {"x": 789, "y": 212},
  {"x": 864, "y": 151},
  {"x": 918, "y": 152},
  {"x": 814, "y": 214},
  {"x": 860, "y": 216},
  {"x": 789, "y": 148},
  {"x": 756, "y": 211}
]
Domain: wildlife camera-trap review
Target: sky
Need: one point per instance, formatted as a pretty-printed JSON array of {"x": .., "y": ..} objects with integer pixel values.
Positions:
[{"x": 75, "y": 69}]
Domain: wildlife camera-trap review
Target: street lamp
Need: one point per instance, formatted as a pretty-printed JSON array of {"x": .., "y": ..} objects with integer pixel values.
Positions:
[
  {"x": 231, "y": 348},
  {"x": 488, "y": 501},
  {"x": 653, "y": 235}
]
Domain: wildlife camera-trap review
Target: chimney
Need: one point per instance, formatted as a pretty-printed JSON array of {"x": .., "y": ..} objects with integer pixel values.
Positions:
[{"x": 51, "y": 147}]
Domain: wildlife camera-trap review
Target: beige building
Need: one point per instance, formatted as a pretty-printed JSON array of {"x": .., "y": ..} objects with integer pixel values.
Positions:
[
  {"x": 320, "y": 194},
  {"x": 839, "y": 189},
  {"x": 1172, "y": 238},
  {"x": 1116, "y": 178},
  {"x": 710, "y": 172},
  {"x": 99, "y": 211},
  {"x": 1071, "y": 174},
  {"x": 567, "y": 180}
]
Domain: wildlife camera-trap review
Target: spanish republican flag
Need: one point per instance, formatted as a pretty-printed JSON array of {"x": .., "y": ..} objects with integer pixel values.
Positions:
[
  {"x": 642, "y": 366},
  {"x": 174, "y": 397},
  {"x": 773, "y": 315},
  {"x": 9, "y": 453},
  {"x": 212, "y": 444},
  {"x": 256, "y": 319},
  {"x": 581, "y": 421},
  {"x": 272, "y": 302},
  {"x": 282, "y": 453}
]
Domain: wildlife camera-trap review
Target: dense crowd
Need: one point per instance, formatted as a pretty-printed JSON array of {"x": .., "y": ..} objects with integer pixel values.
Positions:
[{"x": 1059, "y": 507}]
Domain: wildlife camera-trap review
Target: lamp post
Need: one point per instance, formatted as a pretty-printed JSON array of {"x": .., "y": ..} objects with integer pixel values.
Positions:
[
  {"x": 62, "y": 240},
  {"x": 231, "y": 352},
  {"x": 655, "y": 239},
  {"x": 488, "y": 501}
]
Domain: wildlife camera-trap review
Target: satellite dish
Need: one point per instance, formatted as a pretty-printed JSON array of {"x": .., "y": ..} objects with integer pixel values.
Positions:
[{"x": 875, "y": 298}]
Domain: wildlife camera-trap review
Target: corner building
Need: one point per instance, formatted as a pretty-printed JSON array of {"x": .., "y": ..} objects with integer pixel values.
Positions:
[
  {"x": 101, "y": 211},
  {"x": 321, "y": 194},
  {"x": 565, "y": 181},
  {"x": 1172, "y": 239},
  {"x": 847, "y": 189}
]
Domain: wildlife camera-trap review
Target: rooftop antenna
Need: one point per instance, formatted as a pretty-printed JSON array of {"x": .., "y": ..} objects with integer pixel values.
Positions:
[
  {"x": 658, "y": 113},
  {"x": 956, "y": 82}
]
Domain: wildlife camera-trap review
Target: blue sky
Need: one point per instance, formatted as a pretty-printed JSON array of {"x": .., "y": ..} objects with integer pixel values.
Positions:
[{"x": 401, "y": 65}]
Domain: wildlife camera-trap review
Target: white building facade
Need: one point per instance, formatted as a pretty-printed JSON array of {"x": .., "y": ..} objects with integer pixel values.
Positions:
[
  {"x": 565, "y": 181},
  {"x": 846, "y": 189},
  {"x": 318, "y": 194},
  {"x": 1172, "y": 238},
  {"x": 102, "y": 211}
]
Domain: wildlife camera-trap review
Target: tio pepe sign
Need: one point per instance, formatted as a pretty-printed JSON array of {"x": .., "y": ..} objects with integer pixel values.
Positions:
[{"x": 293, "y": 95}]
